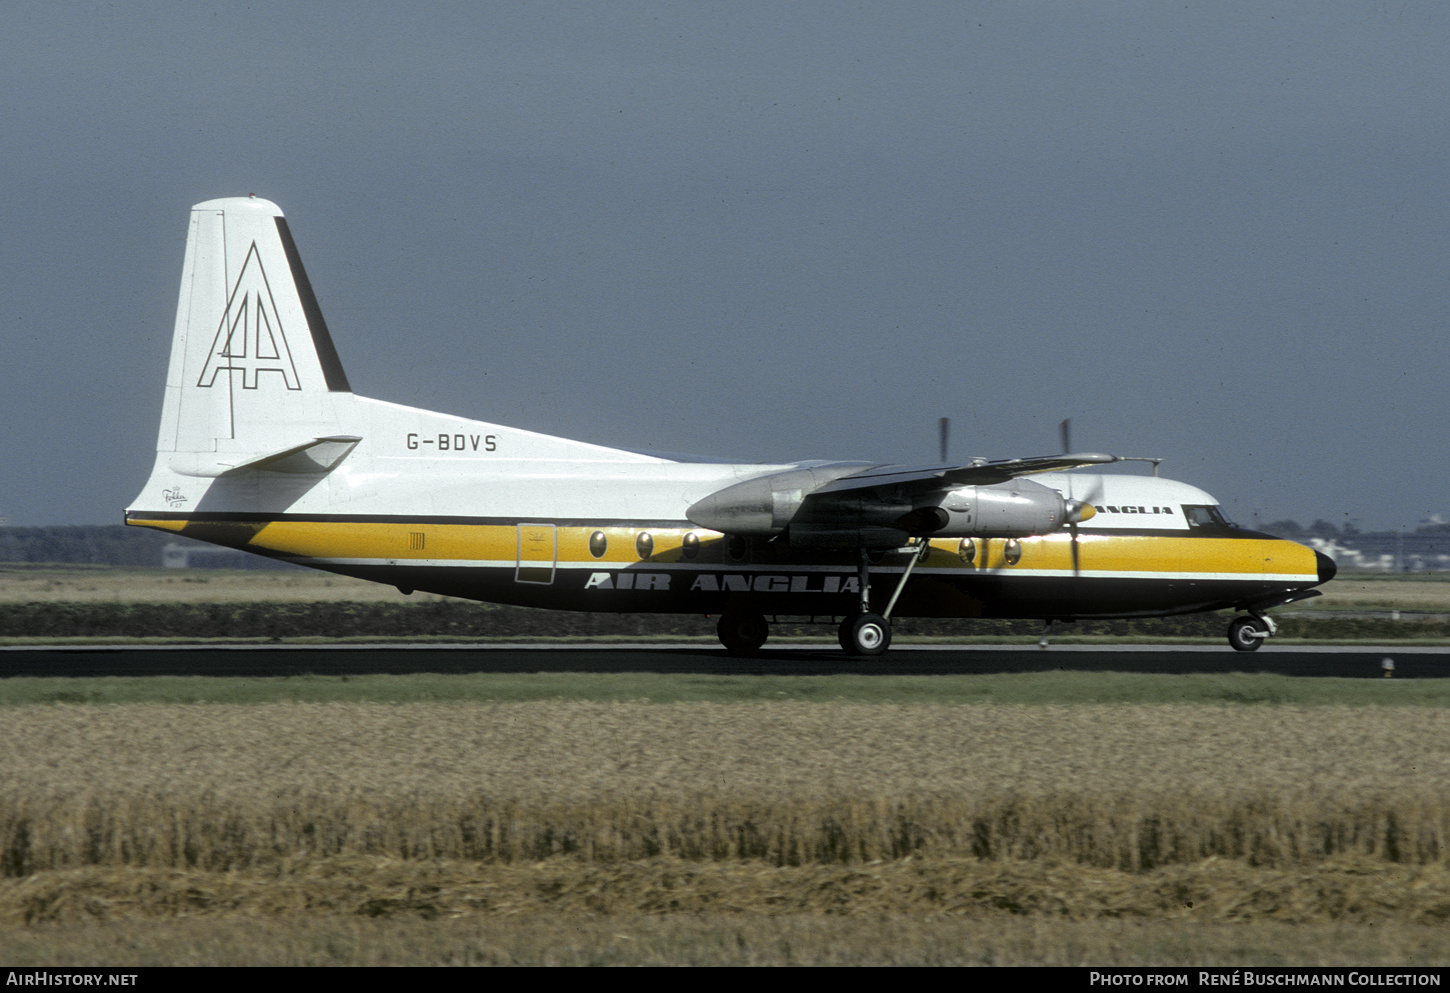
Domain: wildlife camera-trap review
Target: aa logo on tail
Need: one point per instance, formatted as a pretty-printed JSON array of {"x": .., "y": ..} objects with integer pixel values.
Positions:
[{"x": 250, "y": 336}]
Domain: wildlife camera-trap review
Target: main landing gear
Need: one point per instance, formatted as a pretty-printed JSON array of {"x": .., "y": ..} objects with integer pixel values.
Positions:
[
  {"x": 1246, "y": 634},
  {"x": 866, "y": 633},
  {"x": 863, "y": 632},
  {"x": 742, "y": 633}
]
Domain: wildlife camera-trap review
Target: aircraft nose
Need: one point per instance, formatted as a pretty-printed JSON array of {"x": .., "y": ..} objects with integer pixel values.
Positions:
[{"x": 1327, "y": 568}]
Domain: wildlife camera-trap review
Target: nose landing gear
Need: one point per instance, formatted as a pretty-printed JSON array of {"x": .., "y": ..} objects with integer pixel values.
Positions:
[{"x": 1246, "y": 634}]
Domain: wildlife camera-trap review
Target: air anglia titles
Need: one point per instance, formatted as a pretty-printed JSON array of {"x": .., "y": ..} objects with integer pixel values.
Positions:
[{"x": 727, "y": 582}]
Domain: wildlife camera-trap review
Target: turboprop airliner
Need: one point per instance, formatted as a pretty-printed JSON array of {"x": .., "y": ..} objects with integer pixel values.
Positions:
[{"x": 264, "y": 447}]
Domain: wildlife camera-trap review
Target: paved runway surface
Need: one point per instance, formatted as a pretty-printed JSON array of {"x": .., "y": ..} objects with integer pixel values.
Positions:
[{"x": 1410, "y": 663}]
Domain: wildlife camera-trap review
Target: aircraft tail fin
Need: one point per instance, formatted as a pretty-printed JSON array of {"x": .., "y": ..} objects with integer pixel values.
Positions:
[{"x": 253, "y": 366}]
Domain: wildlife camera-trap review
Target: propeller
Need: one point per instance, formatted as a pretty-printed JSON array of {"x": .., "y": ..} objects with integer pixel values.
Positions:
[
  {"x": 946, "y": 427},
  {"x": 1079, "y": 510}
]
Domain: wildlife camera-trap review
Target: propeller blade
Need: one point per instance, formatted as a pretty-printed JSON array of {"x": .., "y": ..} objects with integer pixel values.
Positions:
[
  {"x": 1065, "y": 430},
  {"x": 1079, "y": 510},
  {"x": 946, "y": 426}
]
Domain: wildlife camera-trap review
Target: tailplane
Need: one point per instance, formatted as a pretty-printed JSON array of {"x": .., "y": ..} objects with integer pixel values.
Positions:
[{"x": 253, "y": 369}]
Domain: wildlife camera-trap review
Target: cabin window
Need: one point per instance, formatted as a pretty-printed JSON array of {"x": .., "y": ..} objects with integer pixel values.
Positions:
[
  {"x": 1204, "y": 516},
  {"x": 598, "y": 544},
  {"x": 644, "y": 545},
  {"x": 690, "y": 547}
]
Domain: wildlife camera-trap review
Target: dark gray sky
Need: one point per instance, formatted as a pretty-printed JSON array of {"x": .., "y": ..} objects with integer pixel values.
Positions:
[{"x": 767, "y": 231}]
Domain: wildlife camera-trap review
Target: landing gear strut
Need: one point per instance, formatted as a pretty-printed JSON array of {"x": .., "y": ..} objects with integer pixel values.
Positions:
[
  {"x": 1246, "y": 634},
  {"x": 742, "y": 633},
  {"x": 863, "y": 632}
]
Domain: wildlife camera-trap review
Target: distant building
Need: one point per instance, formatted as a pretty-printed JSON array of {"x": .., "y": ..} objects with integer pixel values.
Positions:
[
  {"x": 175, "y": 555},
  {"x": 1387, "y": 551}
]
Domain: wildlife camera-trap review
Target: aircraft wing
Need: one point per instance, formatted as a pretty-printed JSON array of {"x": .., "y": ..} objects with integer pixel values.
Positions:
[
  {"x": 836, "y": 499},
  {"x": 935, "y": 477}
]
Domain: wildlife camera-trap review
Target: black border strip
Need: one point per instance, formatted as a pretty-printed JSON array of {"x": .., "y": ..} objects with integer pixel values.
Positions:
[{"x": 321, "y": 339}]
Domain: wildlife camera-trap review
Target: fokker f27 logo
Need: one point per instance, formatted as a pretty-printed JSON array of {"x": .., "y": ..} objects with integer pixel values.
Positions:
[{"x": 250, "y": 337}]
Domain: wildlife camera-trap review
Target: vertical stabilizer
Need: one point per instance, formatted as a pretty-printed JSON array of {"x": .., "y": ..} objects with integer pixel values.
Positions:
[{"x": 252, "y": 364}]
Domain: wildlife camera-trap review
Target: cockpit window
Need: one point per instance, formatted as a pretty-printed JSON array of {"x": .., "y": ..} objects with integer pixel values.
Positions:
[{"x": 1205, "y": 516}]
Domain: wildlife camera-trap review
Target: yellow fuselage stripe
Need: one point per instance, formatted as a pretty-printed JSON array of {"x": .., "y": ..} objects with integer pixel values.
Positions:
[{"x": 439, "y": 543}]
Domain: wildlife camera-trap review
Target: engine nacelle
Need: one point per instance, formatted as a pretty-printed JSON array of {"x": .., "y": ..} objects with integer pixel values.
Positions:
[
  {"x": 877, "y": 518},
  {"x": 1017, "y": 508},
  {"x": 764, "y": 506}
]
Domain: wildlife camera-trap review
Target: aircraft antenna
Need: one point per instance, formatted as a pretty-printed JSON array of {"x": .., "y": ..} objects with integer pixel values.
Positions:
[{"x": 1142, "y": 458}]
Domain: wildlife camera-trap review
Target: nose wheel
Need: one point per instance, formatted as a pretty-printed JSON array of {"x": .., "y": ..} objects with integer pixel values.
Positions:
[{"x": 1246, "y": 634}]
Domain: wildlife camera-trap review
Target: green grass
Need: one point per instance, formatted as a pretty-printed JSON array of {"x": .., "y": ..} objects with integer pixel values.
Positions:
[{"x": 1044, "y": 688}]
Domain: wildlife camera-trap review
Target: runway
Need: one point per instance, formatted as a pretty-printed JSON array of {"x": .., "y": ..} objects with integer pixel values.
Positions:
[{"x": 1359, "y": 662}]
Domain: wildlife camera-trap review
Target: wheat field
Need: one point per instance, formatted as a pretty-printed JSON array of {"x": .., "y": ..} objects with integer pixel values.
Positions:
[
  {"x": 532, "y": 814},
  {"x": 1125, "y": 787}
]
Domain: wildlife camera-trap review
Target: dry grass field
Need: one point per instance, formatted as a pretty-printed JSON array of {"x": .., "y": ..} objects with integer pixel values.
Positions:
[
  {"x": 729, "y": 939},
  {"x": 731, "y": 833},
  {"x": 1371, "y": 592}
]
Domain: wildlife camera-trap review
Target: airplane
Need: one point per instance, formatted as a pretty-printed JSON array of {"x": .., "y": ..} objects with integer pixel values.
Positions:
[{"x": 264, "y": 447}]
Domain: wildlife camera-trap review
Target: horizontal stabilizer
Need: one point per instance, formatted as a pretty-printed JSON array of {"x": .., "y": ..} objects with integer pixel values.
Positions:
[{"x": 315, "y": 457}]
